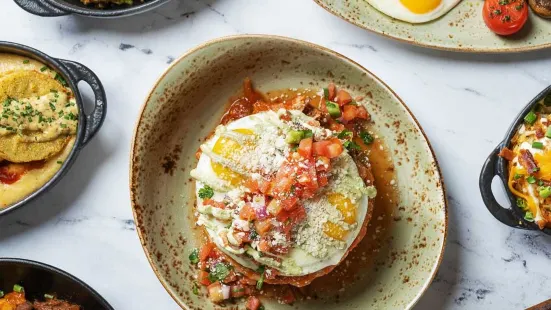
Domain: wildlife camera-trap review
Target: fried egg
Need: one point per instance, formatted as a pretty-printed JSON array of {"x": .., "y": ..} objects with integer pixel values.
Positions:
[
  {"x": 334, "y": 217},
  {"x": 414, "y": 11}
]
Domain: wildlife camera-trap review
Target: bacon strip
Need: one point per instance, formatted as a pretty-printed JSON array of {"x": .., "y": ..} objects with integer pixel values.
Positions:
[
  {"x": 539, "y": 133},
  {"x": 507, "y": 154},
  {"x": 527, "y": 161}
]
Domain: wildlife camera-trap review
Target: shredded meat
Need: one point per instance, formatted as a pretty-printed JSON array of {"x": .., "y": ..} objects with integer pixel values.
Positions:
[
  {"x": 507, "y": 153},
  {"x": 55, "y": 304},
  {"x": 527, "y": 161},
  {"x": 25, "y": 306}
]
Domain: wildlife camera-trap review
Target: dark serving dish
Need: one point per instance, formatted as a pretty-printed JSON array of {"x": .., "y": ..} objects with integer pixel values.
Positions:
[
  {"x": 39, "y": 279},
  {"x": 65, "y": 7},
  {"x": 496, "y": 165},
  {"x": 88, "y": 126}
]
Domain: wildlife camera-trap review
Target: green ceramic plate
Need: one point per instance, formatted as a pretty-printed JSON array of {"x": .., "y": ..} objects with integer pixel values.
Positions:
[
  {"x": 462, "y": 29},
  {"x": 405, "y": 243}
]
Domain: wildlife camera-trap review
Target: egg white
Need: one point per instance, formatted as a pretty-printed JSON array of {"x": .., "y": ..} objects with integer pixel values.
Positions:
[
  {"x": 395, "y": 9},
  {"x": 297, "y": 257}
]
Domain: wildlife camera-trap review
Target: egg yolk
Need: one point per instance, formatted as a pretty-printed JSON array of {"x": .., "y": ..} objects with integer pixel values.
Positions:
[
  {"x": 226, "y": 147},
  {"x": 421, "y": 6},
  {"x": 334, "y": 231},
  {"x": 344, "y": 205}
]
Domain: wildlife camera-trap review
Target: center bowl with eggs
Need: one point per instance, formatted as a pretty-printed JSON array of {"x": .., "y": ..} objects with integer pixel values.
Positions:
[{"x": 403, "y": 226}]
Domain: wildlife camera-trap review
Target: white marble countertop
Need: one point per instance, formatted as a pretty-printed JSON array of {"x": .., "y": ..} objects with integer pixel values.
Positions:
[{"x": 464, "y": 102}]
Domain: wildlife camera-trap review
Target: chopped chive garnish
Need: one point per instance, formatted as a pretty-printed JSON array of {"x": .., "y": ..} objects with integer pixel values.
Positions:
[
  {"x": 367, "y": 137},
  {"x": 545, "y": 192},
  {"x": 48, "y": 296},
  {"x": 206, "y": 192},
  {"x": 18, "y": 288},
  {"x": 26, "y": 61},
  {"x": 530, "y": 118},
  {"x": 194, "y": 256},
  {"x": 260, "y": 281},
  {"x": 195, "y": 289},
  {"x": 43, "y": 69},
  {"x": 517, "y": 176},
  {"x": 529, "y": 216},
  {"x": 537, "y": 145},
  {"x": 59, "y": 162},
  {"x": 326, "y": 93},
  {"x": 531, "y": 179},
  {"x": 351, "y": 145}
]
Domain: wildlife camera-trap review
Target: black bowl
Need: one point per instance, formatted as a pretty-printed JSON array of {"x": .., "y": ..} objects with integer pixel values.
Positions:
[
  {"x": 88, "y": 126},
  {"x": 38, "y": 279},
  {"x": 496, "y": 165},
  {"x": 65, "y": 7}
]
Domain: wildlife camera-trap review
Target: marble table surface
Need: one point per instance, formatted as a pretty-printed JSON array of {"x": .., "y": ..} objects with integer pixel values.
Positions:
[{"x": 464, "y": 102}]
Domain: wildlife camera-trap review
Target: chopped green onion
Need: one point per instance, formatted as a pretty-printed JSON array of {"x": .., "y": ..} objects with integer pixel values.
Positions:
[
  {"x": 294, "y": 136},
  {"x": 540, "y": 183},
  {"x": 531, "y": 179},
  {"x": 26, "y": 61},
  {"x": 521, "y": 203},
  {"x": 59, "y": 162},
  {"x": 18, "y": 288},
  {"x": 194, "y": 256},
  {"x": 367, "y": 137},
  {"x": 43, "y": 69},
  {"x": 206, "y": 192},
  {"x": 517, "y": 176},
  {"x": 529, "y": 216},
  {"x": 545, "y": 192},
  {"x": 530, "y": 118},
  {"x": 326, "y": 93},
  {"x": 548, "y": 133},
  {"x": 537, "y": 145},
  {"x": 333, "y": 109},
  {"x": 48, "y": 296},
  {"x": 1, "y": 294}
]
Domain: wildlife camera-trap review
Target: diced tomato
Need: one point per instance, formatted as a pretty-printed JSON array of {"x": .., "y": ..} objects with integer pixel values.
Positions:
[
  {"x": 215, "y": 292},
  {"x": 323, "y": 163},
  {"x": 262, "y": 227},
  {"x": 237, "y": 290},
  {"x": 203, "y": 277},
  {"x": 296, "y": 216},
  {"x": 274, "y": 207},
  {"x": 289, "y": 203},
  {"x": 362, "y": 113},
  {"x": 333, "y": 125},
  {"x": 260, "y": 106},
  {"x": 253, "y": 303},
  {"x": 305, "y": 147},
  {"x": 264, "y": 246},
  {"x": 283, "y": 185},
  {"x": 205, "y": 251},
  {"x": 343, "y": 97},
  {"x": 247, "y": 212},
  {"x": 231, "y": 277},
  {"x": 252, "y": 185},
  {"x": 349, "y": 112},
  {"x": 247, "y": 281},
  {"x": 332, "y": 91},
  {"x": 265, "y": 186},
  {"x": 214, "y": 203},
  {"x": 328, "y": 148}
]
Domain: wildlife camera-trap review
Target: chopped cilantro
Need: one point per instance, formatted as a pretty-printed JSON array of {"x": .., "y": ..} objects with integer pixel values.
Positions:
[
  {"x": 351, "y": 145},
  {"x": 194, "y": 256},
  {"x": 219, "y": 272},
  {"x": 367, "y": 138},
  {"x": 260, "y": 281},
  {"x": 26, "y": 61},
  {"x": 206, "y": 192},
  {"x": 195, "y": 288},
  {"x": 345, "y": 134}
]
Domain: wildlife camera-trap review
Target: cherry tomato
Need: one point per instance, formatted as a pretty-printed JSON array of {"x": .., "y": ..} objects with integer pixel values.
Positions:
[{"x": 505, "y": 17}]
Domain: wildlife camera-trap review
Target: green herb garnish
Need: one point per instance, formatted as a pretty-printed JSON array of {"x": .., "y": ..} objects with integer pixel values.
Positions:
[
  {"x": 206, "y": 192},
  {"x": 531, "y": 179},
  {"x": 18, "y": 288},
  {"x": 195, "y": 288},
  {"x": 326, "y": 93},
  {"x": 43, "y": 69},
  {"x": 521, "y": 203},
  {"x": 260, "y": 281},
  {"x": 345, "y": 134},
  {"x": 219, "y": 272},
  {"x": 60, "y": 79},
  {"x": 351, "y": 145},
  {"x": 529, "y": 216},
  {"x": 48, "y": 296},
  {"x": 333, "y": 109},
  {"x": 517, "y": 176},
  {"x": 530, "y": 118},
  {"x": 537, "y": 145},
  {"x": 545, "y": 191},
  {"x": 367, "y": 138},
  {"x": 194, "y": 256},
  {"x": 26, "y": 61}
]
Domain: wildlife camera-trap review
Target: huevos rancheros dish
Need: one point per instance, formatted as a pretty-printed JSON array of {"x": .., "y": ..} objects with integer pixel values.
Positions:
[
  {"x": 38, "y": 124},
  {"x": 284, "y": 191}
]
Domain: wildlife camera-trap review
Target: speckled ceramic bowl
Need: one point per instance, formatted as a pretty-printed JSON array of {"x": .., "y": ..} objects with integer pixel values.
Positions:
[
  {"x": 462, "y": 29},
  {"x": 187, "y": 103}
]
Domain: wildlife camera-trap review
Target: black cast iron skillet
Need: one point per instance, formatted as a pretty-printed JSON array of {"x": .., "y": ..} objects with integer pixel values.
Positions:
[
  {"x": 88, "y": 125},
  {"x": 51, "y": 8},
  {"x": 38, "y": 279},
  {"x": 495, "y": 165}
]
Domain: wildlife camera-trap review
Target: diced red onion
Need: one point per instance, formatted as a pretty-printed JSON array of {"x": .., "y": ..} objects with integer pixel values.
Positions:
[{"x": 261, "y": 213}]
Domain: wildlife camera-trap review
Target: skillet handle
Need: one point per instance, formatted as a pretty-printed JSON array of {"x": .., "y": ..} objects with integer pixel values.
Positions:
[
  {"x": 95, "y": 119},
  {"x": 40, "y": 8},
  {"x": 487, "y": 174}
]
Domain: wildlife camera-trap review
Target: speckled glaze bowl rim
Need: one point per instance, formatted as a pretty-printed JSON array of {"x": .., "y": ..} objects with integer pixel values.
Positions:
[
  {"x": 133, "y": 150},
  {"x": 433, "y": 46}
]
